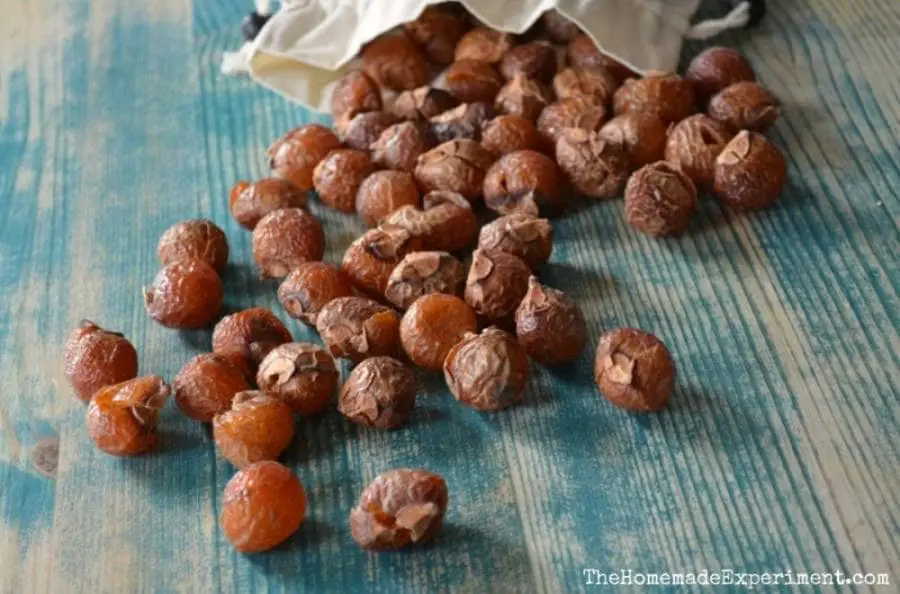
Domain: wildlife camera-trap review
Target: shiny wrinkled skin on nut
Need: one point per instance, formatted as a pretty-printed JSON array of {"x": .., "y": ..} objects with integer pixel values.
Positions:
[
  {"x": 257, "y": 427},
  {"x": 660, "y": 200},
  {"x": 528, "y": 182},
  {"x": 693, "y": 145},
  {"x": 400, "y": 145},
  {"x": 437, "y": 31},
  {"x": 262, "y": 506},
  {"x": 536, "y": 60},
  {"x": 521, "y": 235},
  {"x": 301, "y": 374},
  {"x": 522, "y": 96},
  {"x": 463, "y": 121},
  {"x": 473, "y": 80},
  {"x": 121, "y": 418},
  {"x": 395, "y": 62},
  {"x": 745, "y": 106},
  {"x": 184, "y": 294},
  {"x": 206, "y": 385},
  {"x": 487, "y": 371},
  {"x": 598, "y": 169},
  {"x": 383, "y": 192},
  {"x": 634, "y": 370},
  {"x": 309, "y": 287},
  {"x": 296, "y": 154},
  {"x": 715, "y": 68},
  {"x": 550, "y": 325},
  {"x": 250, "y": 202},
  {"x": 356, "y": 328},
  {"x": 401, "y": 507},
  {"x": 496, "y": 284},
  {"x": 370, "y": 259},
  {"x": 641, "y": 136},
  {"x": 197, "y": 238},
  {"x": 421, "y": 273},
  {"x": 558, "y": 27},
  {"x": 594, "y": 84},
  {"x": 364, "y": 129},
  {"x": 447, "y": 223},
  {"x": 423, "y": 103},
  {"x": 510, "y": 133},
  {"x": 94, "y": 358},
  {"x": 380, "y": 392},
  {"x": 247, "y": 336},
  {"x": 574, "y": 112},
  {"x": 750, "y": 172},
  {"x": 355, "y": 92},
  {"x": 667, "y": 96},
  {"x": 582, "y": 52},
  {"x": 458, "y": 166},
  {"x": 484, "y": 44},
  {"x": 338, "y": 176},
  {"x": 432, "y": 325},
  {"x": 285, "y": 239}
]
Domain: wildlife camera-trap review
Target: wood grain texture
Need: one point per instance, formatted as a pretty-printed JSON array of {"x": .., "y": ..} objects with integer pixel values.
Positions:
[{"x": 779, "y": 450}]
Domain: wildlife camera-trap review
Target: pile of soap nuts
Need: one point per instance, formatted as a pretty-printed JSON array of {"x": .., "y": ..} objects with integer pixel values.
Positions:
[{"x": 522, "y": 125}]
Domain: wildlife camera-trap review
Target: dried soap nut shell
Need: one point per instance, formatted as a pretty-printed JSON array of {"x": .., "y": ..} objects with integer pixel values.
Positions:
[
  {"x": 496, "y": 284},
  {"x": 295, "y": 155},
  {"x": 301, "y": 374},
  {"x": 437, "y": 31},
  {"x": 383, "y": 192},
  {"x": 422, "y": 273},
  {"x": 522, "y": 96},
  {"x": 473, "y": 80},
  {"x": 247, "y": 336},
  {"x": 528, "y": 182},
  {"x": 457, "y": 166},
  {"x": 432, "y": 325},
  {"x": 535, "y": 60},
  {"x": 364, "y": 129},
  {"x": 463, "y": 121},
  {"x": 594, "y": 84},
  {"x": 206, "y": 385},
  {"x": 356, "y": 328},
  {"x": 634, "y": 370},
  {"x": 574, "y": 112},
  {"x": 582, "y": 52},
  {"x": 510, "y": 133},
  {"x": 184, "y": 294},
  {"x": 487, "y": 371},
  {"x": 452, "y": 221},
  {"x": 550, "y": 325},
  {"x": 257, "y": 427},
  {"x": 250, "y": 202},
  {"x": 750, "y": 172},
  {"x": 667, "y": 96},
  {"x": 521, "y": 235},
  {"x": 715, "y": 68},
  {"x": 197, "y": 238},
  {"x": 380, "y": 392},
  {"x": 395, "y": 62},
  {"x": 423, "y": 103},
  {"x": 338, "y": 176},
  {"x": 558, "y": 27},
  {"x": 285, "y": 239},
  {"x": 693, "y": 145},
  {"x": 121, "y": 418},
  {"x": 484, "y": 44},
  {"x": 641, "y": 136},
  {"x": 355, "y": 92},
  {"x": 400, "y": 145},
  {"x": 309, "y": 287},
  {"x": 660, "y": 200},
  {"x": 370, "y": 259},
  {"x": 595, "y": 167},
  {"x": 745, "y": 106},
  {"x": 94, "y": 358}
]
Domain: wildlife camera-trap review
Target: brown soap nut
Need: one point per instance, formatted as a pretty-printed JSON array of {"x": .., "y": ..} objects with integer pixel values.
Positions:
[
  {"x": 660, "y": 200},
  {"x": 447, "y": 222},
  {"x": 550, "y": 325},
  {"x": 558, "y": 26},
  {"x": 715, "y": 68},
  {"x": 400, "y": 508},
  {"x": 473, "y": 80},
  {"x": 634, "y": 370},
  {"x": 338, "y": 176},
  {"x": 285, "y": 239},
  {"x": 197, "y": 238},
  {"x": 574, "y": 112},
  {"x": 457, "y": 166},
  {"x": 641, "y": 136},
  {"x": 750, "y": 172},
  {"x": 122, "y": 418},
  {"x": 94, "y": 358},
  {"x": 487, "y": 371},
  {"x": 364, "y": 129},
  {"x": 595, "y": 84},
  {"x": 246, "y": 337},
  {"x": 667, "y": 96},
  {"x": 383, "y": 192},
  {"x": 744, "y": 106},
  {"x": 400, "y": 145},
  {"x": 422, "y": 273},
  {"x": 496, "y": 284},
  {"x": 356, "y": 328},
  {"x": 250, "y": 202},
  {"x": 597, "y": 168},
  {"x": 693, "y": 145},
  {"x": 309, "y": 287},
  {"x": 535, "y": 60},
  {"x": 206, "y": 385},
  {"x": 355, "y": 92},
  {"x": 380, "y": 392},
  {"x": 301, "y": 374},
  {"x": 370, "y": 259},
  {"x": 510, "y": 133},
  {"x": 484, "y": 44},
  {"x": 582, "y": 52},
  {"x": 437, "y": 31},
  {"x": 257, "y": 427},
  {"x": 295, "y": 155},
  {"x": 525, "y": 181},
  {"x": 521, "y": 235},
  {"x": 184, "y": 294},
  {"x": 432, "y": 325},
  {"x": 463, "y": 121},
  {"x": 395, "y": 62},
  {"x": 522, "y": 96},
  {"x": 423, "y": 103}
]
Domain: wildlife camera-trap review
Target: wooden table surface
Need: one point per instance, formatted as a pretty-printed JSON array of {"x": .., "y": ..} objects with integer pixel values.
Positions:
[{"x": 779, "y": 450}]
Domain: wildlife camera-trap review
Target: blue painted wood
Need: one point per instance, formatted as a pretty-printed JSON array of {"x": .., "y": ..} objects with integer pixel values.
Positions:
[{"x": 778, "y": 451}]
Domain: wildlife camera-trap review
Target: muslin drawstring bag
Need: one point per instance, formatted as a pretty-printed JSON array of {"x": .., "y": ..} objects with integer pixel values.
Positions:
[{"x": 307, "y": 44}]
